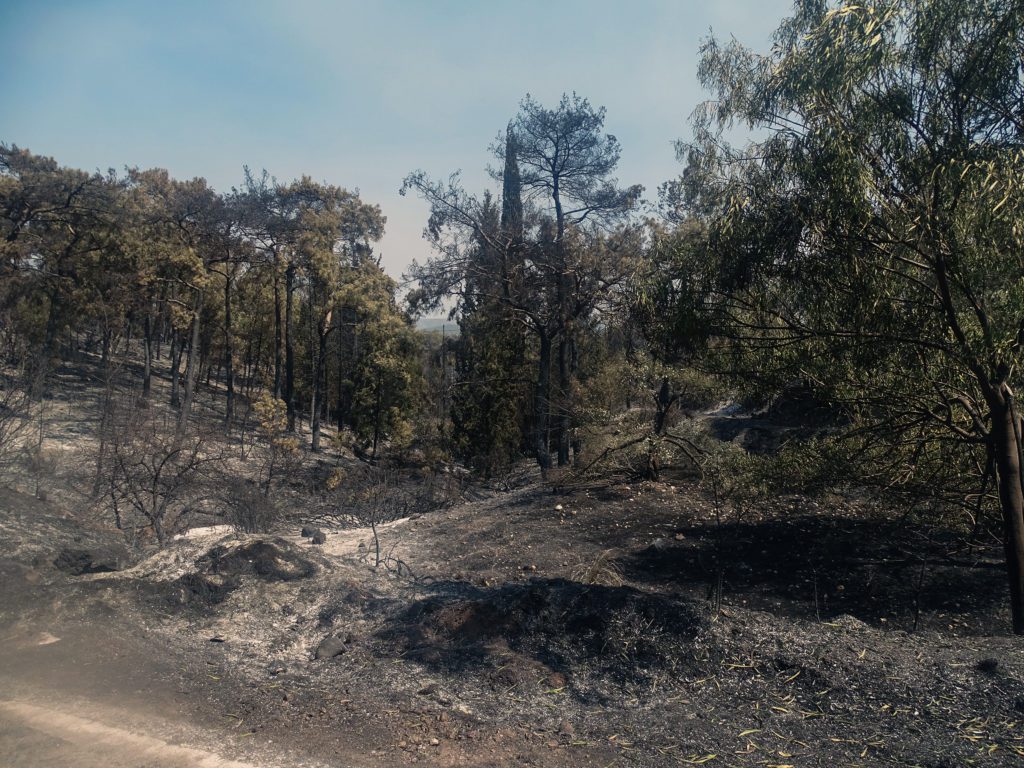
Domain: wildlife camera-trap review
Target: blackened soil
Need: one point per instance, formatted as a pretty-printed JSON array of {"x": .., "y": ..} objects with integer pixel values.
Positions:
[{"x": 625, "y": 625}]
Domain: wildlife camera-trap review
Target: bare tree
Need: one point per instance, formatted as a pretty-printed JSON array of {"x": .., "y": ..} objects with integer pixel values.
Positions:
[
  {"x": 151, "y": 472},
  {"x": 20, "y": 408}
]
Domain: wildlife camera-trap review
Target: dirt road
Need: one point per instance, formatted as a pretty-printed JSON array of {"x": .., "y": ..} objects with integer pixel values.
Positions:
[
  {"x": 93, "y": 696},
  {"x": 34, "y": 736}
]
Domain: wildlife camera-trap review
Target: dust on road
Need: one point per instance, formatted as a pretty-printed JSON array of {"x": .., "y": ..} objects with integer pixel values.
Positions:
[{"x": 35, "y": 736}]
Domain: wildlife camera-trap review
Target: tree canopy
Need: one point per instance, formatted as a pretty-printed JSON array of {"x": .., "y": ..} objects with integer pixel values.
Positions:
[{"x": 871, "y": 242}]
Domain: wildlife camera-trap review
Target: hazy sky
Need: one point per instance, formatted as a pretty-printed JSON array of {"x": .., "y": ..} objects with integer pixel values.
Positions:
[{"x": 353, "y": 93}]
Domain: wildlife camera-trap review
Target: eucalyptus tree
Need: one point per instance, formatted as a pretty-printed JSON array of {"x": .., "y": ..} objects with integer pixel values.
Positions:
[{"x": 872, "y": 241}]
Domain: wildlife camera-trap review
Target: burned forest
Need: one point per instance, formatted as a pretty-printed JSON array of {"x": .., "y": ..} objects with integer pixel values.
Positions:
[{"x": 498, "y": 448}]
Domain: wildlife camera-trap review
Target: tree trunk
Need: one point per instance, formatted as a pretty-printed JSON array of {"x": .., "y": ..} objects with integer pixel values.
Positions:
[
  {"x": 318, "y": 390},
  {"x": 108, "y": 337},
  {"x": 229, "y": 353},
  {"x": 563, "y": 295},
  {"x": 663, "y": 401},
  {"x": 347, "y": 384},
  {"x": 1006, "y": 437},
  {"x": 52, "y": 325},
  {"x": 175, "y": 355},
  {"x": 564, "y": 405},
  {"x": 289, "y": 348},
  {"x": 158, "y": 530},
  {"x": 147, "y": 355},
  {"x": 541, "y": 400},
  {"x": 339, "y": 411},
  {"x": 191, "y": 369},
  {"x": 160, "y": 338},
  {"x": 377, "y": 417},
  {"x": 277, "y": 332}
]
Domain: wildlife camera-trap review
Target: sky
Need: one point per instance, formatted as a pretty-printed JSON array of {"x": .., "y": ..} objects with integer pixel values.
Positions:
[{"x": 356, "y": 94}]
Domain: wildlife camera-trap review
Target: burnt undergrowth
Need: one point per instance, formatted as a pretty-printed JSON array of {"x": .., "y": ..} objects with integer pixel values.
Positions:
[
  {"x": 821, "y": 567},
  {"x": 554, "y": 629}
]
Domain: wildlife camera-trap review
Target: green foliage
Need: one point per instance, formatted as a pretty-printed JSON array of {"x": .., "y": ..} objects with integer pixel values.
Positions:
[
  {"x": 490, "y": 396},
  {"x": 866, "y": 244},
  {"x": 870, "y": 243},
  {"x": 385, "y": 375}
]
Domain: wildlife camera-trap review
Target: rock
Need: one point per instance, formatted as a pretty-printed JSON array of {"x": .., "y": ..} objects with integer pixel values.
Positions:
[
  {"x": 319, "y": 538},
  {"x": 307, "y": 531},
  {"x": 558, "y": 507},
  {"x": 330, "y": 647},
  {"x": 276, "y": 668},
  {"x": 434, "y": 742}
]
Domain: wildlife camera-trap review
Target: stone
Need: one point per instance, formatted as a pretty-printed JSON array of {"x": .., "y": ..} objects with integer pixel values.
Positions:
[
  {"x": 330, "y": 647},
  {"x": 319, "y": 538}
]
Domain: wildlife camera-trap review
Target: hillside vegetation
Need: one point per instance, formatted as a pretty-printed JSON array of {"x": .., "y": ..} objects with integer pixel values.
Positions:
[{"x": 732, "y": 479}]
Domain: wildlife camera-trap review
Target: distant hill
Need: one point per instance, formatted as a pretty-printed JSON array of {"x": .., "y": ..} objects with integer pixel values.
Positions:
[{"x": 451, "y": 327}]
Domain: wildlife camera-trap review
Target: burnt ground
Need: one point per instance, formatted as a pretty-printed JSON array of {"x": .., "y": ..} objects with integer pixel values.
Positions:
[{"x": 622, "y": 625}]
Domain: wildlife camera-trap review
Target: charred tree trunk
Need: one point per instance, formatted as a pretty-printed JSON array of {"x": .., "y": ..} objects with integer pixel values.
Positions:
[
  {"x": 277, "y": 332},
  {"x": 147, "y": 354},
  {"x": 108, "y": 339},
  {"x": 377, "y": 416},
  {"x": 1007, "y": 444},
  {"x": 175, "y": 355},
  {"x": 541, "y": 401},
  {"x": 319, "y": 381},
  {"x": 289, "y": 346},
  {"x": 664, "y": 401},
  {"x": 563, "y": 429},
  {"x": 52, "y": 325},
  {"x": 191, "y": 368},
  {"x": 229, "y": 353}
]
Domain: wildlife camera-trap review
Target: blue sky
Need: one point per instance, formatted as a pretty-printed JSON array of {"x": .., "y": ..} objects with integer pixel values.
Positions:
[{"x": 354, "y": 93}]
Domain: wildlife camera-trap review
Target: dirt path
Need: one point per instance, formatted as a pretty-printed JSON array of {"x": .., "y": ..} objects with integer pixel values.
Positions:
[
  {"x": 98, "y": 695},
  {"x": 34, "y": 736}
]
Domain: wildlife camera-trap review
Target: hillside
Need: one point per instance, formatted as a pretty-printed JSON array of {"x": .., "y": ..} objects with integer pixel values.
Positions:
[{"x": 607, "y": 622}]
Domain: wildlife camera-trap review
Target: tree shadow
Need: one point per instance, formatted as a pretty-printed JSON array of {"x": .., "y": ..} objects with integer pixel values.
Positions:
[
  {"x": 545, "y": 632},
  {"x": 821, "y": 567}
]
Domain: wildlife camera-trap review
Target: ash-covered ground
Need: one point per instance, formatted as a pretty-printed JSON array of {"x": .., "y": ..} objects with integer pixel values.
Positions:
[{"x": 614, "y": 625}]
